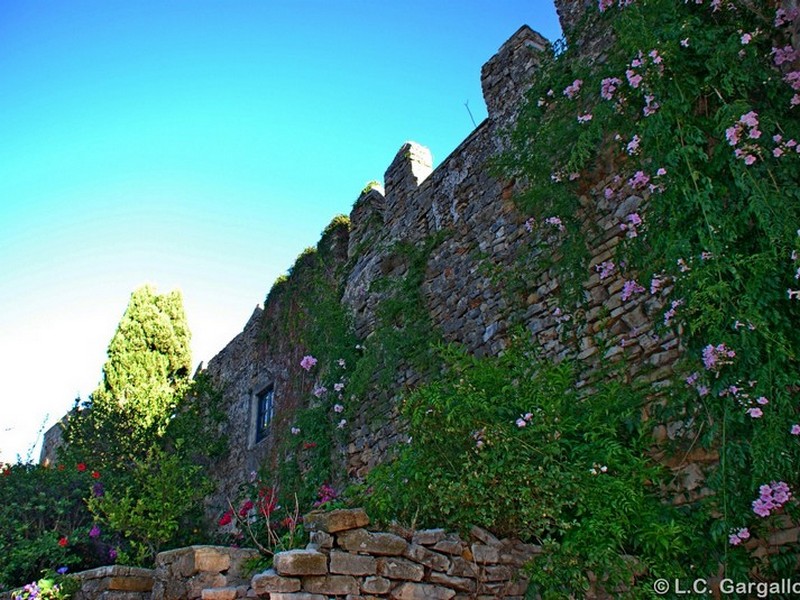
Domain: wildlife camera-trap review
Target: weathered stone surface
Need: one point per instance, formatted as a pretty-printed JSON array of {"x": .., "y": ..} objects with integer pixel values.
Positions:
[
  {"x": 332, "y": 585},
  {"x": 481, "y": 553},
  {"x": 421, "y": 591},
  {"x": 321, "y": 539},
  {"x": 450, "y": 545},
  {"x": 300, "y": 562},
  {"x": 400, "y": 568},
  {"x": 484, "y": 536},
  {"x": 428, "y": 537},
  {"x": 429, "y": 558},
  {"x": 461, "y": 584},
  {"x": 336, "y": 520},
  {"x": 462, "y": 568},
  {"x": 376, "y": 585},
  {"x": 296, "y": 596},
  {"x": 269, "y": 581},
  {"x": 361, "y": 540},
  {"x": 346, "y": 563},
  {"x": 224, "y": 593}
]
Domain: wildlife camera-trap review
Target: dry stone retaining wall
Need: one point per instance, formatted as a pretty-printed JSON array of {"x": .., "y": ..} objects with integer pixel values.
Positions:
[{"x": 345, "y": 559}]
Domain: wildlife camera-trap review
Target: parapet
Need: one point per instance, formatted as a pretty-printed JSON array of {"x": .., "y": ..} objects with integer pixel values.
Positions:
[
  {"x": 507, "y": 75},
  {"x": 411, "y": 166}
]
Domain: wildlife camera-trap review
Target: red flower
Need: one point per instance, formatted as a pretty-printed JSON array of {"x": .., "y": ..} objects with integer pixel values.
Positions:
[
  {"x": 309, "y": 445},
  {"x": 225, "y": 519},
  {"x": 81, "y": 467},
  {"x": 95, "y": 474},
  {"x": 245, "y": 508},
  {"x": 63, "y": 542}
]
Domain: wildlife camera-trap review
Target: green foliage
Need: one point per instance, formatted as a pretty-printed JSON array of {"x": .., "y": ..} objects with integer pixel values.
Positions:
[
  {"x": 53, "y": 586},
  {"x": 141, "y": 428},
  {"x": 45, "y": 523},
  {"x": 146, "y": 374},
  {"x": 159, "y": 502},
  {"x": 508, "y": 443},
  {"x": 699, "y": 123}
]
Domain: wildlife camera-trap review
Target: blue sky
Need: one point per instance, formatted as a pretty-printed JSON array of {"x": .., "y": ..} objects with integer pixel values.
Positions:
[{"x": 200, "y": 146}]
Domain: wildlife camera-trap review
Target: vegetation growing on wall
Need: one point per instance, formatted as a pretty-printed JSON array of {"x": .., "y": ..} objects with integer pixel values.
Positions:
[{"x": 692, "y": 110}]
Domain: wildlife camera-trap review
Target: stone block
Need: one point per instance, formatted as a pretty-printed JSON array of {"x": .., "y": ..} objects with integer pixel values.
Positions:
[
  {"x": 421, "y": 591},
  {"x": 346, "y": 563},
  {"x": 296, "y": 596},
  {"x": 331, "y": 585},
  {"x": 321, "y": 539},
  {"x": 449, "y": 545},
  {"x": 481, "y": 553},
  {"x": 461, "y": 584},
  {"x": 429, "y": 558},
  {"x": 428, "y": 537},
  {"x": 336, "y": 520},
  {"x": 400, "y": 568},
  {"x": 376, "y": 585},
  {"x": 269, "y": 581},
  {"x": 462, "y": 568},
  {"x": 224, "y": 593},
  {"x": 363, "y": 541},
  {"x": 300, "y": 562}
]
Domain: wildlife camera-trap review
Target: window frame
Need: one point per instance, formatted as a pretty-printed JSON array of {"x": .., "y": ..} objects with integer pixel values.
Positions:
[{"x": 265, "y": 412}]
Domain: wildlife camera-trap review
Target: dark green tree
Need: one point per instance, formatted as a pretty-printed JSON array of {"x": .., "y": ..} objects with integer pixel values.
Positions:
[
  {"x": 144, "y": 378},
  {"x": 135, "y": 431}
]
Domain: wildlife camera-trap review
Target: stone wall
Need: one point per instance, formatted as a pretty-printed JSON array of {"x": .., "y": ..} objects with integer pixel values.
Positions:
[
  {"x": 466, "y": 285},
  {"x": 346, "y": 559}
]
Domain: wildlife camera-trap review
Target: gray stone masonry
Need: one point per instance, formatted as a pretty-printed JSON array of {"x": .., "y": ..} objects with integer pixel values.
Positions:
[{"x": 364, "y": 563}]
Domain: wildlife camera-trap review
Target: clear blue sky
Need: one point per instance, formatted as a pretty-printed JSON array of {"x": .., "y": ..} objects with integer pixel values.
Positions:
[{"x": 200, "y": 145}]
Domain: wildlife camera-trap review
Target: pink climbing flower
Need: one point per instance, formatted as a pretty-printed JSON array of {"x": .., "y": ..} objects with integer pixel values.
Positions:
[
  {"x": 571, "y": 90},
  {"x": 771, "y": 498},
  {"x": 629, "y": 288},
  {"x": 634, "y": 79},
  {"x": 714, "y": 357},
  {"x": 795, "y": 430},
  {"x": 608, "y": 86},
  {"x": 308, "y": 362},
  {"x": 605, "y": 268},
  {"x": 633, "y": 146},
  {"x": 755, "y": 413},
  {"x": 739, "y": 536},
  {"x": 639, "y": 180}
]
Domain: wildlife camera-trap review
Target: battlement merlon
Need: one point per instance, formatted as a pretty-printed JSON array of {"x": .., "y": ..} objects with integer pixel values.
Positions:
[{"x": 507, "y": 76}]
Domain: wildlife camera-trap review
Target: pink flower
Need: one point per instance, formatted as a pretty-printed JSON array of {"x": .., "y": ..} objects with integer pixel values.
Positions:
[
  {"x": 94, "y": 532},
  {"x": 755, "y": 413},
  {"x": 639, "y": 180},
  {"x": 634, "y": 79},
  {"x": 555, "y": 222},
  {"x": 762, "y": 400},
  {"x": 692, "y": 379},
  {"x": 319, "y": 391},
  {"x": 714, "y": 357},
  {"x": 633, "y": 146},
  {"x": 337, "y": 408},
  {"x": 584, "y": 118},
  {"x": 605, "y": 268},
  {"x": 795, "y": 430},
  {"x": 604, "y": 5},
  {"x": 685, "y": 42},
  {"x": 341, "y": 424},
  {"x": 608, "y": 86},
  {"x": 746, "y": 38},
  {"x": 295, "y": 430},
  {"x": 571, "y": 90},
  {"x": 308, "y": 362},
  {"x": 338, "y": 387},
  {"x": 521, "y": 422},
  {"x": 629, "y": 288}
]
